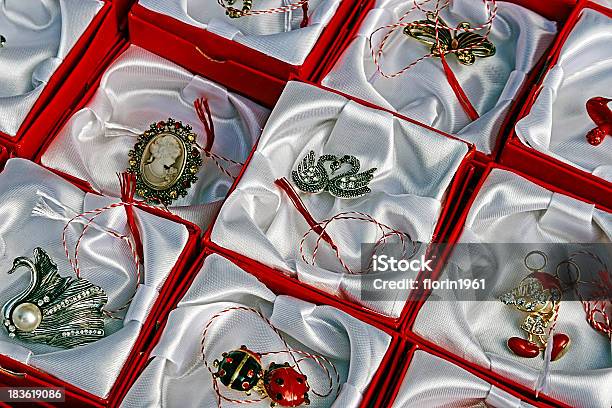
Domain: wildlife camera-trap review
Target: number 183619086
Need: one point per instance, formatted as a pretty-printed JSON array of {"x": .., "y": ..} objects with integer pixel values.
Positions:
[{"x": 31, "y": 394}]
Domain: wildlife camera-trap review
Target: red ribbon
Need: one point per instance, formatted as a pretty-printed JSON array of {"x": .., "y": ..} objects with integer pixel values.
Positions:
[
  {"x": 284, "y": 185},
  {"x": 462, "y": 97},
  {"x": 203, "y": 110},
  {"x": 127, "y": 181}
]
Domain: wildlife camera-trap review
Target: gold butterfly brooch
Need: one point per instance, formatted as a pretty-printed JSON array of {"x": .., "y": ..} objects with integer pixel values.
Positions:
[{"x": 462, "y": 41}]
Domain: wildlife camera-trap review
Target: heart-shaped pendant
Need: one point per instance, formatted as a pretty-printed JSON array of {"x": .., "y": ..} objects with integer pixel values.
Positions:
[
  {"x": 523, "y": 348},
  {"x": 561, "y": 343}
]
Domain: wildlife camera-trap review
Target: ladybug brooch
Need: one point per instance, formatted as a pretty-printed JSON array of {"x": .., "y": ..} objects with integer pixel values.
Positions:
[{"x": 241, "y": 370}]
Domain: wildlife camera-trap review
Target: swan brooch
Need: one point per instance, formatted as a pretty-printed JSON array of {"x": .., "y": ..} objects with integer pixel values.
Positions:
[
  {"x": 314, "y": 176},
  {"x": 58, "y": 311}
]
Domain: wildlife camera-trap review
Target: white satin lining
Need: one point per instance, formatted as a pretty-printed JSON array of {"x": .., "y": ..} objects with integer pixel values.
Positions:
[
  {"x": 520, "y": 37},
  {"x": 558, "y": 121},
  {"x": 39, "y": 33},
  {"x": 104, "y": 261},
  {"x": 266, "y": 33},
  {"x": 453, "y": 387},
  {"x": 414, "y": 165},
  {"x": 170, "y": 379},
  {"x": 510, "y": 209},
  {"x": 138, "y": 89}
]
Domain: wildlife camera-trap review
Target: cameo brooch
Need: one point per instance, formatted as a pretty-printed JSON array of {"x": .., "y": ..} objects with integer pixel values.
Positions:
[{"x": 165, "y": 161}]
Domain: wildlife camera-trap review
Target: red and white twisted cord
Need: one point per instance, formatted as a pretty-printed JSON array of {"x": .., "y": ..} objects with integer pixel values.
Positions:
[
  {"x": 386, "y": 233},
  {"x": 597, "y": 311},
  {"x": 205, "y": 115},
  {"x": 91, "y": 216}
]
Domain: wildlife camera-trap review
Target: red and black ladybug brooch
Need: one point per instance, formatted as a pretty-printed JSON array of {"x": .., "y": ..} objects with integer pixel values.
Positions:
[{"x": 241, "y": 370}]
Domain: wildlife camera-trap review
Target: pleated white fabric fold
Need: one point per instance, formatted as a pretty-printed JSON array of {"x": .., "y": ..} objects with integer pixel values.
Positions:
[
  {"x": 510, "y": 209},
  {"x": 177, "y": 376},
  {"x": 39, "y": 34},
  {"x": 558, "y": 121},
  {"x": 453, "y": 387},
  {"x": 520, "y": 37},
  {"x": 104, "y": 260},
  {"x": 278, "y": 35},
  {"x": 414, "y": 165},
  {"x": 138, "y": 89}
]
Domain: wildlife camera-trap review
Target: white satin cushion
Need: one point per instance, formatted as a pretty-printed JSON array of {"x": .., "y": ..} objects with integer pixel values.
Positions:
[
  {"x": 414, "y": 169},
  {"x": 104, "y": 260},
  {"x": 138, "y": 89},
  {"x": 39, "y": 34},
  {"x": 558, "y": 121},
  {"x": 177, "y": 377},
  {"x": 278, "y": 35},
  {"x": 453, "y": 387},
  {"x": 510, "y": 209},
  {"x": 520, "y": 37}
]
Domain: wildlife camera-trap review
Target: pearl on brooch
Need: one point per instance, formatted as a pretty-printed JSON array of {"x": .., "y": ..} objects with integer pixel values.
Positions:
[{"x": 27, "y": 317}]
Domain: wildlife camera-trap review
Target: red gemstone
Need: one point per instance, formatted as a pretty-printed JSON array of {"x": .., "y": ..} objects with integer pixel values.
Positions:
[
  {"x": 595, "y": 136},
  {"x": 195, "y": 152},
  {"x": 160, "y": 125},
  {"x": 523, "y": 348},
  {"x": 561, "y": 344},
  {"x": 250, "y": 374},
  {"x": 222, "y": 373},
  {"x": 245, "y": 385},
  {"x": 177, "y": 125},
  {"x": 228, "y": 360}
]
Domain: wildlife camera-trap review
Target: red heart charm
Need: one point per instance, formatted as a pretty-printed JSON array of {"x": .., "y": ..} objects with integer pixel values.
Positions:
[
  {"x": 523, "y": 348},
  {"x": 561, "y": 344}
]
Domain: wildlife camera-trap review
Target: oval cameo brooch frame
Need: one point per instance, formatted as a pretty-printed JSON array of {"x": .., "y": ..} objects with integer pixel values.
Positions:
[{"x": 165, "y": 161}]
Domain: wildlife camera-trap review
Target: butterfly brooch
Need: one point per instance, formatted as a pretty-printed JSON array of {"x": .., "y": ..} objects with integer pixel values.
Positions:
[
  {"x": 233, "y": 12},
  {"x": 337, "y": 175},
  {"x": 464, "y": 43}
]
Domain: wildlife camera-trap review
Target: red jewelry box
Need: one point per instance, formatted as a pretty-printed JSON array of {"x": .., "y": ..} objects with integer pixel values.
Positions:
[
  {"x": 391, "y": 362},
  {"x": 62, "y": 90},
  {"x": 480, "y": 174},
  {"x": 554, "y": 10},
  {"x": 449, "y": 208},
  {"x": 17, "y": 374},
  {"x": 218, "y": 55},
  {"x": 535, "y": 163},
  {"x": 387, "y": 399}
]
